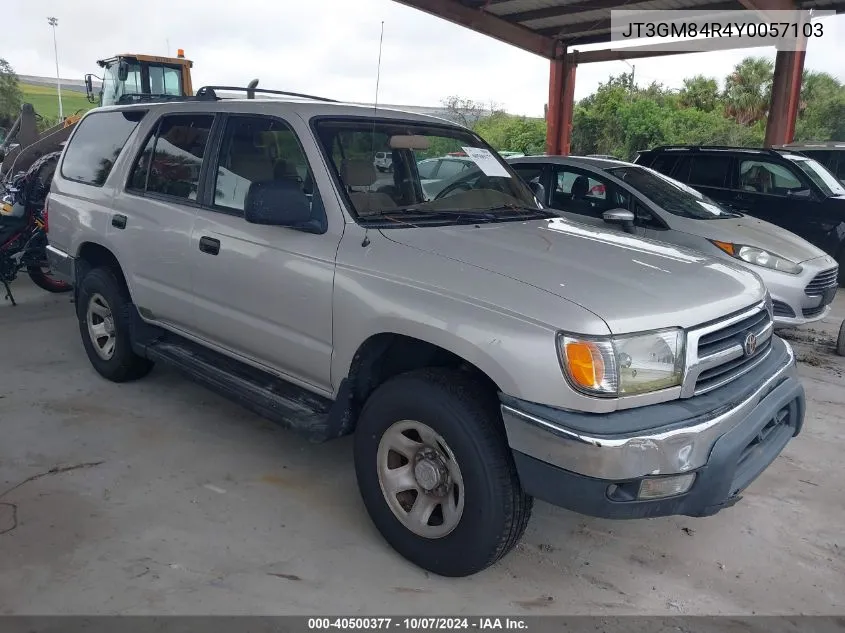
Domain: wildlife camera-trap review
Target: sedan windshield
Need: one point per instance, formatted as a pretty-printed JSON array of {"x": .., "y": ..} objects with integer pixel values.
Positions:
[
  {"x": 823, "y": 179},
  {"x": 433, "y": 173},
  {"x": 669, "y": 194}
]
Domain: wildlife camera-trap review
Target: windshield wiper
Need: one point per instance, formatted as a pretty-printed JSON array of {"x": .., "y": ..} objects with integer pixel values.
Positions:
[{"x": 458, "y": 214}]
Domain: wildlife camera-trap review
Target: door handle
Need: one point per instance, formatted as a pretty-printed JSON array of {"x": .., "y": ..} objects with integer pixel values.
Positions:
[
  {"x": 209, "y": 245},
  {"x": 118, "y": 221}
]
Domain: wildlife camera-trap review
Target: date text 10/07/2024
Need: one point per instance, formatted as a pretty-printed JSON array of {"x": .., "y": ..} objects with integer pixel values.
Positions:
[{"x": 417, "y": 624}]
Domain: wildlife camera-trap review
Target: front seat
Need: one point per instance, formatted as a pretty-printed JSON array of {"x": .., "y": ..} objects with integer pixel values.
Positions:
[
  {"x": 579, "y": 202},
  {"x": 361, "y": 173}
]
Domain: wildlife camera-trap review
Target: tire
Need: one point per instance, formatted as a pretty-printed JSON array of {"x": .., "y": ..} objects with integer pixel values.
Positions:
[
  {"x": 493, "y": 510},
  {"x": 46, "y": 282},
  {"x": 104, "y": 301}
]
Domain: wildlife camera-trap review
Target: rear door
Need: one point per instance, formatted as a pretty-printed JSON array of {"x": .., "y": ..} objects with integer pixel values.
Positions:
[{"x": 155, "y": 216}]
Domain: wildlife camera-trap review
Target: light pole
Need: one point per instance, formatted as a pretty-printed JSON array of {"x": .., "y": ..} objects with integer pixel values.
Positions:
[{"x": 54, "y": 22}]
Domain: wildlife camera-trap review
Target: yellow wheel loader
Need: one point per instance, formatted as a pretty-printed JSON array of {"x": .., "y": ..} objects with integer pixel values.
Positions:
[{"x": 127, "y": 78}]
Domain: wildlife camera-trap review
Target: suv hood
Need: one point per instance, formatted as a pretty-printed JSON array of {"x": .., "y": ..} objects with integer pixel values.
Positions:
[
  {"x": 751, "y": 231},
  {"x": 631, "y": 283}
]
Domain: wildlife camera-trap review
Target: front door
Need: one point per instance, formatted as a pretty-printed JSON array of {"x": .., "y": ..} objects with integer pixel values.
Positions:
[
  {"x": 583, "y": 196},
  {"x": 778, "y": 193},
  {"x": 264, "y": 292}
]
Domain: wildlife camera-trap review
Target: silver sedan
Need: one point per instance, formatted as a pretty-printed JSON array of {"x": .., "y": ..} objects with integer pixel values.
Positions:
[{"x": 801, "y": 278}]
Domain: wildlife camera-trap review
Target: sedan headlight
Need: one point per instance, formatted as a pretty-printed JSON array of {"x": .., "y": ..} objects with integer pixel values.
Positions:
[
  {"x": 623, "y": 365},
  {"x": 759, "y": 257}
]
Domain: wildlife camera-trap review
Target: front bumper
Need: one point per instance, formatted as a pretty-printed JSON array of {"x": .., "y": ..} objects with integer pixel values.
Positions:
[
  {"x": 61, "y": 264},
  {"x": 792, "y": 305},
  {"x": 727, "y": 438}
]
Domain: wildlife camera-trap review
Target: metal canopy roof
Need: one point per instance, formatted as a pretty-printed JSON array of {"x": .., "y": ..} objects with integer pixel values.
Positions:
[{"x": 544, "y": 27}]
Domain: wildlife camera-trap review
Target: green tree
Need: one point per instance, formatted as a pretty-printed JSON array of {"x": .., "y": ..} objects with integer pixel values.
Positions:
[
  {"x": 700, "y": 92},
  {"x": 822, "y": 108},
  {"x": 748, "y": 90},
  {"x": 10, "y": 94}
]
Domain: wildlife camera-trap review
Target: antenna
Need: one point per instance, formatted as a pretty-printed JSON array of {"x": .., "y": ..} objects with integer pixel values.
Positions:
[
  {"x": 168, "y": 46},
  {"x": 378, "y": 67},
  {"x": 366, "y": 241}
]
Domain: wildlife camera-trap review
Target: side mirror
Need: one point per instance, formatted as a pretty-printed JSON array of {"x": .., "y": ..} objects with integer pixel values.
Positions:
[
  {"x": 538, "y": 190},
  {"x": 620, "y": 216},
  {"x": 89, "y": 88},
  {"x": 122, "y": 71},
  {"x": 277, "y": 203}
]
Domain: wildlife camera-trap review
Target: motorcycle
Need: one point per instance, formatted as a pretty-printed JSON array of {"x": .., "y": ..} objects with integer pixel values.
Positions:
[{"x": 23, "y": 227}]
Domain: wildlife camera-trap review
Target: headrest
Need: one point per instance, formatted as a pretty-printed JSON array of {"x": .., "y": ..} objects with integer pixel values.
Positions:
[
  {"x": 358, "y": 173},
  {"x": 580, "y": 186}
]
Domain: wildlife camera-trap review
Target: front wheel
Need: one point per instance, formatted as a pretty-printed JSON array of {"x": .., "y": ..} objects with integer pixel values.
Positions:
[
  {"x": 436, "y": 474},
  {"x": 43, "y": 278}
]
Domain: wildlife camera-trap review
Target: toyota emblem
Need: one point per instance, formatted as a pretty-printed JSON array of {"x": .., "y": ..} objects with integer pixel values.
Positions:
[{"x": 750, "y": 344}]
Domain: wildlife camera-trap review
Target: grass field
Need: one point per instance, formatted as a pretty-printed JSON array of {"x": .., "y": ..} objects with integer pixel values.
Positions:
[{"x": 46, "y": 102}]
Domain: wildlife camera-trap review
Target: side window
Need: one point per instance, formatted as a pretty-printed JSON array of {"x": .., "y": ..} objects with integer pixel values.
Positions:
[
  {"x": 529, "y": 172},
  {"x": 664, "y": 163},
  {"x": 709, "y": 171},
  {"x": 578, "y": 193},
  {"x": 451, "y": 168},
  {"x": 170, "y": 162},
  {"x": 763, "y": 176},
  {"x": 258, "y": 150},
  {"x": 427, "y": 168},
  {"x": 682, "y": 169},
  {"x": 97, "y": 143}
]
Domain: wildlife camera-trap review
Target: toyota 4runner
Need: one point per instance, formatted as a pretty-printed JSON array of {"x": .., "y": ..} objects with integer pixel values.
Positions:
[{"x": 483, "y": 351}]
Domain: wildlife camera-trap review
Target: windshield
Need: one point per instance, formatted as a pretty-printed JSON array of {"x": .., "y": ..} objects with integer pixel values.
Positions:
[
  {"x": 433, "y": 173},
  {"x": 160, "y": 80},
  {"x": 669, "y": 194},
  {"x": 823, "y": 179}
]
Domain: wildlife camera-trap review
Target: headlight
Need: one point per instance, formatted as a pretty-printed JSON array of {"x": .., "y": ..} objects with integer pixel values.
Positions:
[
  {"x": 759, "y": 257},
  {"x": 623, "y": 365}
]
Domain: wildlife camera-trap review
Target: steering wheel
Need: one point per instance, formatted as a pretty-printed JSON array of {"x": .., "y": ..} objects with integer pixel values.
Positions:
[{"x": 454, "y": 188}]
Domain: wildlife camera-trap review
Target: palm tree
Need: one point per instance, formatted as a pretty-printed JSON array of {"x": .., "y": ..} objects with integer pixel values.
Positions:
[{"x": 748, "y": 90}]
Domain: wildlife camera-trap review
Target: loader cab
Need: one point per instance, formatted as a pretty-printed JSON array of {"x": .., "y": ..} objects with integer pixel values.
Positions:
[{"x": 130, "y": 78}]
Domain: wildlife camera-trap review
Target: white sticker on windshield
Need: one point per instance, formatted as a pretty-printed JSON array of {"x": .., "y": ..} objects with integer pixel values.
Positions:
[{"x": 486, "y": 162}]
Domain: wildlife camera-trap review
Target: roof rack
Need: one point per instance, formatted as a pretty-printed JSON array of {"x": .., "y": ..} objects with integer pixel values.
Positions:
[
  {"x": 698, "y": 148},
  {"x": 210, "y": 92},
  {"x": 812, "y": 145}
]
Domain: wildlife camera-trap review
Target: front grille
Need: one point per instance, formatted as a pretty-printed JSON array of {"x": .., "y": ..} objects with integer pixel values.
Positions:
[
  {"x": 809, "y": 313},
  {"x": 720, "y": 352},
  {"x": 822, "y": 282},
  {"x": 782, "y": 310}
]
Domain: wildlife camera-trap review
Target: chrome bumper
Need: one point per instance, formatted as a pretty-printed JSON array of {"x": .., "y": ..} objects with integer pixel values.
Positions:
[
  {"x": 671, "y": 449},
  {"x": 61, "y": 264}
]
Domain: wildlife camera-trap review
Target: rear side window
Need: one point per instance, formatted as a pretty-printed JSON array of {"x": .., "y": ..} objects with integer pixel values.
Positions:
[
  {"x": 97, "y": 143},
  {"x": 171, "y": 160},
  {"x": 709, "y": 171},
  {"x": 664, "y": 163}
]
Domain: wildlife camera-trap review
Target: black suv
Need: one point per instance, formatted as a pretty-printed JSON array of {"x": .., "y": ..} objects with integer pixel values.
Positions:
[
  {"x": 781, "y": 186},
  {"x": 830, "y": 154}
]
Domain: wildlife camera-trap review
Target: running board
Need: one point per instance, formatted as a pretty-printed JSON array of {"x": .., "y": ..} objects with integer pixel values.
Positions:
[{"x": 317, "y": 418}]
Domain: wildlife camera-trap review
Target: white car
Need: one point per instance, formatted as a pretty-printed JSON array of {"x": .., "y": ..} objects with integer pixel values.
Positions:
[
  {"x": 621, "y": 196},
  {"x": 383, "y": 161}
]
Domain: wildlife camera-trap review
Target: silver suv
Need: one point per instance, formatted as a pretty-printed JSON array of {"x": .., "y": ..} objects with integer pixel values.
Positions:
[{"x": 483, "y": 351}]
